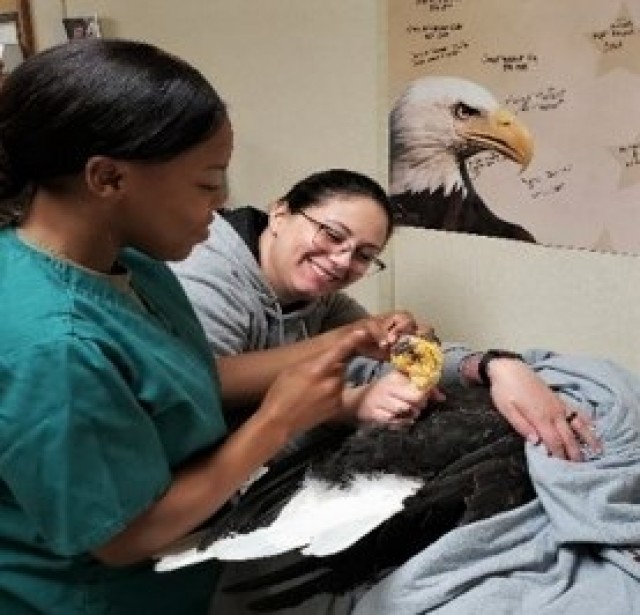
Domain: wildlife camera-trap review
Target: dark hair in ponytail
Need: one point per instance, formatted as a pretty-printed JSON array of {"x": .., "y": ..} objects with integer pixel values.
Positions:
[{"x": 125, "y": 99}]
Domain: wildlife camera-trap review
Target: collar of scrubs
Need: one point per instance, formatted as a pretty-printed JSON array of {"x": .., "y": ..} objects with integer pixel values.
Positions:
[{"x": 119, "y": 278}]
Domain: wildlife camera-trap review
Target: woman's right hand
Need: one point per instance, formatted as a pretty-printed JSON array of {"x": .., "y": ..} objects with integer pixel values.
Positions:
[
  {"x": 384, "y": 331},
  {"x": 310, "y": 392}
]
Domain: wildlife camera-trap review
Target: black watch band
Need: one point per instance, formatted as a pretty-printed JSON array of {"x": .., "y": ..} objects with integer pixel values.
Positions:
[{"x": 489, "y": 356}]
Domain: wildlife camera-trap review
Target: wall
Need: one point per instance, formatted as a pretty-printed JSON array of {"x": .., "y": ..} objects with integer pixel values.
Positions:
[
  {"x": 496, "y": 292},
  {"x": 305, "y": 85}
]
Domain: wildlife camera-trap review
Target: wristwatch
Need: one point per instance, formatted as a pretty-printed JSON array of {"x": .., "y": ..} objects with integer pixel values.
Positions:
[{"x": 489, "y": 356}]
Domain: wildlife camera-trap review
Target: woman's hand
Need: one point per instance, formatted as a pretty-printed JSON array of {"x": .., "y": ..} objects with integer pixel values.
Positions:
[
  {"x": 537, "y": 413},
  {"x": 384, "y": 331},
  {"x": 310, "y": 392},
  {"x": 397, "y": 324},
  {"x": 392, "y": 400}
]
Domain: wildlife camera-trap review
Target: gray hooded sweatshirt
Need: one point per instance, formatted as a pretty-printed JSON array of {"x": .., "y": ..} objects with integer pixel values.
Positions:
[{"x": 238, "y": 309}]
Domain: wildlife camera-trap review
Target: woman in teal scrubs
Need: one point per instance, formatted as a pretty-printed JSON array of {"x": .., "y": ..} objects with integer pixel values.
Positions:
[{"x": 112, "y": 443}]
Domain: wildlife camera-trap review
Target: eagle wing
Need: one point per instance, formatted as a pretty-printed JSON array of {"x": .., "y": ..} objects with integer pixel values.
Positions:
[{"x": 368, "y": 501}]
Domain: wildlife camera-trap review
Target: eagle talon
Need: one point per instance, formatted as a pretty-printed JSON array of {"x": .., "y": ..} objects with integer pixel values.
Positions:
[{"x": 420, "y": 358}]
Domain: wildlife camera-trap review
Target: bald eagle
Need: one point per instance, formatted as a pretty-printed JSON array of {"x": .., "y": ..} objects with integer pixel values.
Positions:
[
  {"x": 361, "y": 503},
  {"x": 434, "y": 127}
]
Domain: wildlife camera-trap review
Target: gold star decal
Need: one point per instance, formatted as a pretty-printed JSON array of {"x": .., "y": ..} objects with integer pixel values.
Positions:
[
  {"x": 628, "y": 157},
  {"x": 619, "y": 44}
]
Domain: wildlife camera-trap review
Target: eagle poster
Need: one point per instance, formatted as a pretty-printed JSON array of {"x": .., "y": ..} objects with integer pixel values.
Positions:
[{"x": 518, "y": 119}]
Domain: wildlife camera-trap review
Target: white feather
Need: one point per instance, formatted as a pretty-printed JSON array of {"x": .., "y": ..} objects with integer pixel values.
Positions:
[
  {"x": 319, "y": 519},
  {"x": 425, "y": 136}
]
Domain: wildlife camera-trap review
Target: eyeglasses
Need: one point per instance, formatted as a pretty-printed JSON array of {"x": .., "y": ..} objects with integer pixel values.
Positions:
[{"x": 336, "y": 241}]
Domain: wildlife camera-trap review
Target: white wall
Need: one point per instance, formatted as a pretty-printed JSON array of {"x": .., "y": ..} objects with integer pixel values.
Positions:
[
  {"x": 305, "y": 83},
  {"x": 496, "y": 292}
]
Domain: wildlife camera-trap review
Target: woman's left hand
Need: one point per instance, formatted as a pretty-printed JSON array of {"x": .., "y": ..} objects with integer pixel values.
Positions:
[
  {"x": 392, "y": 400},
  {"x": 538, "y": 413}
]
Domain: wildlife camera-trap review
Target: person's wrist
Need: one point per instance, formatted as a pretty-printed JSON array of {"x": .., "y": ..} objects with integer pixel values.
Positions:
[
  {"x": 468, "y": 368},
  {"x": 488, "y": 357},
  {"x": 352, "y": 403}
]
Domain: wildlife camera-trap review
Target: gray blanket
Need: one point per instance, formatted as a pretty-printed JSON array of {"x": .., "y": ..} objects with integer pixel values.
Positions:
[{"x": 575, "y": 550}]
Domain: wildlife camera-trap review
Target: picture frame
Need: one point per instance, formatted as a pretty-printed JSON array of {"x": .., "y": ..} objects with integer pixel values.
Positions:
[
  {"x": 18, "y": 12},
  {"x": 82, "y": 27}
]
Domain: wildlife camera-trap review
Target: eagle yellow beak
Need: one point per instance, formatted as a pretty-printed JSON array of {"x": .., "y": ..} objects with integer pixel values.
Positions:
[{"x": 503, "y": 132}]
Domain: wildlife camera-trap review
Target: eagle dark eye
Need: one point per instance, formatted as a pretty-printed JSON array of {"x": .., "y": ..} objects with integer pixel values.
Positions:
[{"x": 464, "y": 112}]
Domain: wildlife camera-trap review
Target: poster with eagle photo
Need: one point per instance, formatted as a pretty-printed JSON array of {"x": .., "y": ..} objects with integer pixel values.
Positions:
[{"x": 517, "y": 119}]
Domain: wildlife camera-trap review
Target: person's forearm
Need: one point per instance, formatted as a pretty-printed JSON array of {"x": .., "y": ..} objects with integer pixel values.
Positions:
[
  {"x": 246, "y": 377},
  {"x": 196, "y": 492}
]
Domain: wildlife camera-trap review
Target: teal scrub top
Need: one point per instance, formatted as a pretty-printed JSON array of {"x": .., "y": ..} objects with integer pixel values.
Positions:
[{"x": 101, "y": 399}]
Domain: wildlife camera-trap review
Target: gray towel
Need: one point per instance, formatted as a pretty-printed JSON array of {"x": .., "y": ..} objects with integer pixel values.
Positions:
[{"x": 570, "y": 551}]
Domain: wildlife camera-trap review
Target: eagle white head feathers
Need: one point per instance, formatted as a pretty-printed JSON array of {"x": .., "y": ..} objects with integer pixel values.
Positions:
[
  {"x": 439, "y": 121},
  {"x": 435, "y": 125}
]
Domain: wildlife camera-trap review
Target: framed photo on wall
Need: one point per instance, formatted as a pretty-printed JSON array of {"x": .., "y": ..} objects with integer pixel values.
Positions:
[
  {"x": 16, "y": 24},
  {"x": 81, "y": 27}
]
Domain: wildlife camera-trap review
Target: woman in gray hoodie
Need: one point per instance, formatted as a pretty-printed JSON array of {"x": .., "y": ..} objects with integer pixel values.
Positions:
[{"x": 268, "y": 290}]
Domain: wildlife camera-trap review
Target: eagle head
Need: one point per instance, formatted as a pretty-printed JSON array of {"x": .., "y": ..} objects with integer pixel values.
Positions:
[{"x": 437, "y": 123}]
